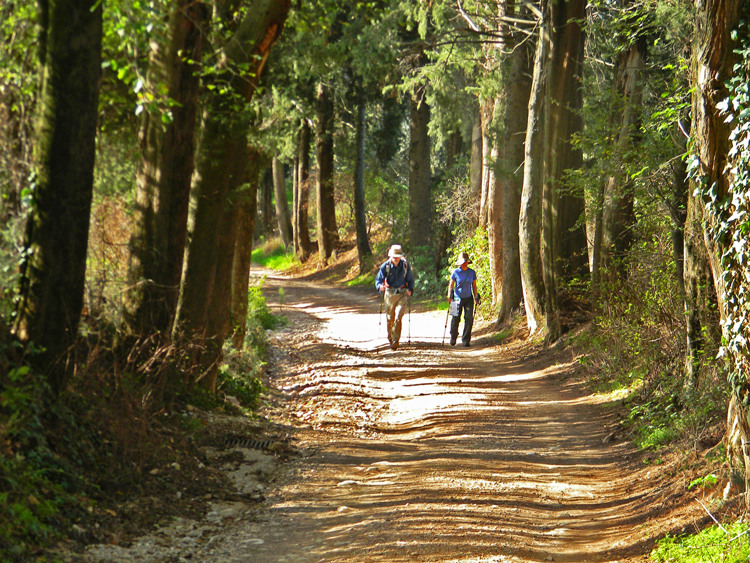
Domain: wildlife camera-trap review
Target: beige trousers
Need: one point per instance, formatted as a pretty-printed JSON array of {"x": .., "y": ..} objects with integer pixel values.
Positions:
[{"x": 395, "y": 307}]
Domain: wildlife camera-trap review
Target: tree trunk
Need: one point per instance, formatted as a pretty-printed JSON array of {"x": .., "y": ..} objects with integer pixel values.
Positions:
[
  {"x": 618, "y": 214},
  {"x": 303, "y": 175},
  {"x": 530, "y": 218},
  {"x": 282, "y": 205},
  {"x": 223, "y": 140},
  {"x": 714, "y": 59},
  {"x": 475, "y": 162},
  {"x": 364, "y": 252},
  {"x": 328, "y": 236},
  {"x": 247, "y": 205},
  {"x": 267, "y": 216},
  {"x": 420, "y": 204},
  {"x": 218, "y": 317},
  {"x": 487, "y": 109},
  {"x": 495, "y": 222},
  {"x": 563, "y": 106},
  {"x": 157, "y": 241},
  {"x": 515, "y": 120},
  {"x": 54, "y": 267}
]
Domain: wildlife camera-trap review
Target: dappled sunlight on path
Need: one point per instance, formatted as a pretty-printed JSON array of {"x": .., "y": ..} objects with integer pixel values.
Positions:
[{"x": 435, "y": 453}]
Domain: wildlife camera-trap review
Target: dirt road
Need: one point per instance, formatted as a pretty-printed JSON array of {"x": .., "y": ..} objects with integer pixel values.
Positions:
[
  {"x": 430, "y": 453},
  {"x": 440, "y": 453}
]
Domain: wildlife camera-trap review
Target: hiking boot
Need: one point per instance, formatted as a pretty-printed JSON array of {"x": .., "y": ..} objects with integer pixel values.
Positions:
[
  {"x": 394, "y": 345},
  {"x": 453, "y": 342},
  {"x": 466, "y": 344}
]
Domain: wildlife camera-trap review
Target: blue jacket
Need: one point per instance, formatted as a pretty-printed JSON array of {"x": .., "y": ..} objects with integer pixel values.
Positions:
[{"x": 395, "y": 277}]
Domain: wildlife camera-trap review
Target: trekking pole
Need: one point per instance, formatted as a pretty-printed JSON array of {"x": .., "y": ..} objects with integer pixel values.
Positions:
[
  {"x": 380, "y": 316},
  {"x": 447, "y": 314},
  {"x": 408, "y": 301}
]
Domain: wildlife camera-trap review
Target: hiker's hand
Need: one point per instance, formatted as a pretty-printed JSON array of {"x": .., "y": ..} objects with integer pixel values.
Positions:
[
  {"x": 381, "y": 288},
  {"x": 479, "y": 299},
  {"x": 409, "y": 292}
]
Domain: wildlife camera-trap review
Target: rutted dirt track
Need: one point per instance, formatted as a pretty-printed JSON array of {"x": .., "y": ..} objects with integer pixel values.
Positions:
[
  {"x": 429, "y": 453},
  {"x": 435, "y": 453}
]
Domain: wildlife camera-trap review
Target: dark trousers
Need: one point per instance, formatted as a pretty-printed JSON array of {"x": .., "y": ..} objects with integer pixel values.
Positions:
[{"x": 467, "y": 308}]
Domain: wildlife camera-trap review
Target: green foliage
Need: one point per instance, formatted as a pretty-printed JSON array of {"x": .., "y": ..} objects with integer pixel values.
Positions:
[
  {"x": 478, "y": 248},
  {"x": 239, "y": 375},
  {"x": 364, "y": 280},
  {"x": 702, "y": 482},
  {"x": 272, "y": 254},
  {"x": 728, "y": 544},
  {"x": 36, "y": 485},
  {"x": 730, "y": 223}
]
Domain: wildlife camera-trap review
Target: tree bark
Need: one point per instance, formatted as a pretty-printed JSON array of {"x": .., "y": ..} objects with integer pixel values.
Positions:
[
  {"x": 305, "y": 245},
  {"x": 563, "y": 104},
  {"x": 618, "y": 214},
  {"x": 55, "y": 245},
  {"x": 267, "y": 215},
  {"x": 487, "y": 110},
  {"x": 515, "y": 120},
  {"x": 157, "y": 241},
  {"x": 282, "y": 204},
  {"x": 475, "y": 162},
  {"x": 530, "y": 217},
  {"x": 328, "y": 236},
  {"x": 246, "y": 208},
  {"x": 364, "y": 252},
  {"x": 420, "y": 204},
  {"x": 713, "y": 63},
  {"x": 223, "y": 139},
  {"x": 495, "y": 222}
]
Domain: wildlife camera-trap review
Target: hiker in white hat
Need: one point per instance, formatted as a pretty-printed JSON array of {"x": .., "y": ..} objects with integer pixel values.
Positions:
[
  {"x": 396, "y": 280},
  {"x": 462, "y": 292}
]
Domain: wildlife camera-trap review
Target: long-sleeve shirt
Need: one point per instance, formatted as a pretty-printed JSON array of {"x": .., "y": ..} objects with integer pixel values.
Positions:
[{"x": 394, "y": 276}]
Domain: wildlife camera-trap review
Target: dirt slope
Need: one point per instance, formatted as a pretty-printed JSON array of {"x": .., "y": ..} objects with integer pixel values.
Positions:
[{"x": 430, "y": 453}]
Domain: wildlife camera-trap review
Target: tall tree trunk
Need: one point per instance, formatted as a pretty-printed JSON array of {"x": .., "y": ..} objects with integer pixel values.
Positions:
[
  {"x": 223, "y": 139},
  {"x": 282, "y": 204},
  {"x": 530, "y": 218},
  {"x": 157, "y": 241},
  {"x": 487, "y": 110},
  {"x": 714, "y": 59},
  {"x": 54, "y": 267},
  {"x": 515, "y": 120},
  {"x": 328, "y": 237},
  {"x": 475, "y": 161},
  {"x": 364, "y": 252},
  {"x": 444, "y": 237},
  {"x": 266, "y": 211},
  {"x": 618, "y": 214},
  {"x": 420, "y": 204},
  {"x": 495, "y": 221},
  {"x": 563, "y": 106},
  {"x": 303, "y": 175},
  {"x": 246, "y": 208},
  {"x": 218, "y": 318}
]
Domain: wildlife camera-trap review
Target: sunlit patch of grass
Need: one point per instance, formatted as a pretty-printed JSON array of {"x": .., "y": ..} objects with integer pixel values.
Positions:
[
  {"x": 272, "y": 254},
  {"x": 728, "y": 544},
  {"x": 362, "y": 280}
]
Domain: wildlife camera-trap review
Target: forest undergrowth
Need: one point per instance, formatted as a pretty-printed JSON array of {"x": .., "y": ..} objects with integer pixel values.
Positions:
[{"x": 98, "y": 464}]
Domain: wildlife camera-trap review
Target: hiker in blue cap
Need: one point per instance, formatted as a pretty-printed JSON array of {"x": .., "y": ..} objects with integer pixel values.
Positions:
[
  {"x": 462, "y": 292},
  {"x": 396, "y": 280}
]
